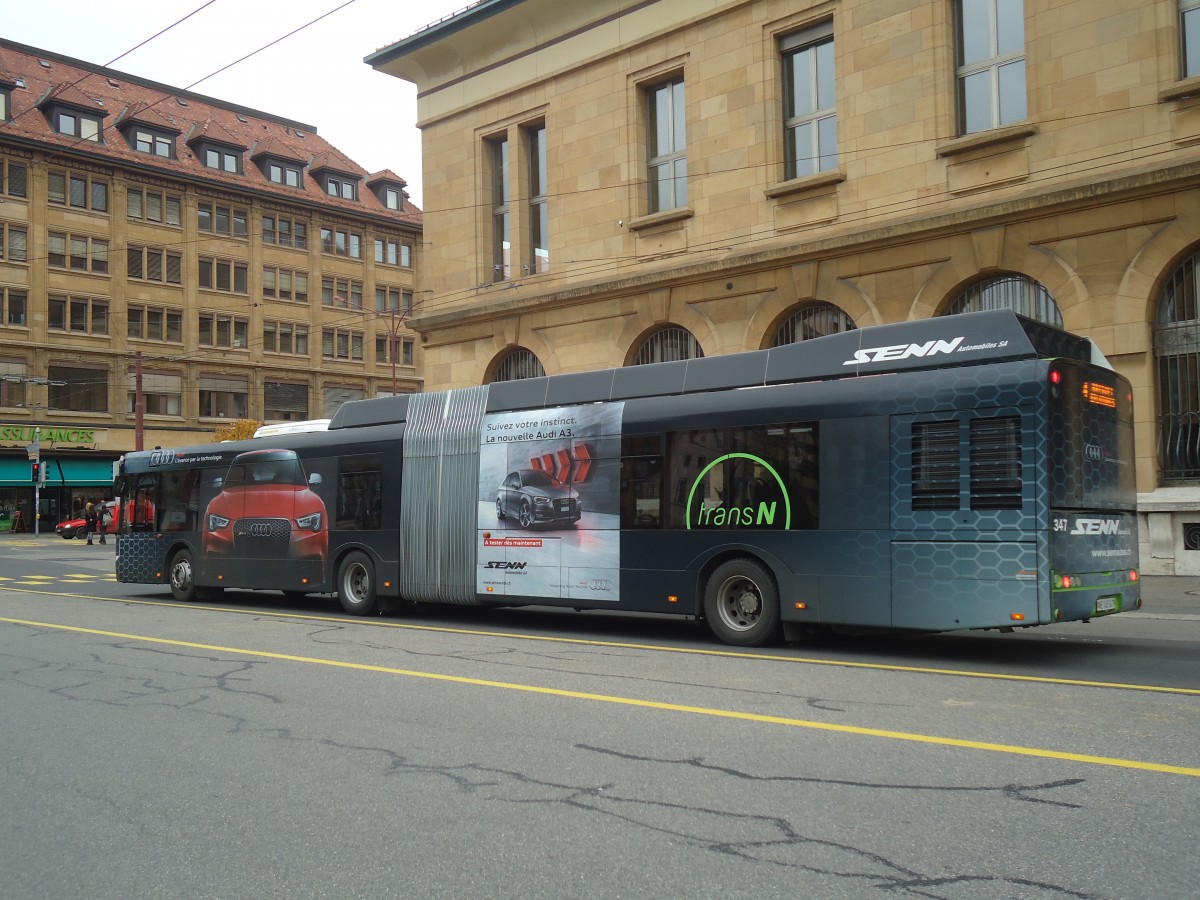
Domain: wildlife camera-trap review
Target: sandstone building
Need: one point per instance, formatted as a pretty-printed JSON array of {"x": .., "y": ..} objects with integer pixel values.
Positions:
[
  {"x": 616, "y": 182},
  {"x": 232, "y": 263}
]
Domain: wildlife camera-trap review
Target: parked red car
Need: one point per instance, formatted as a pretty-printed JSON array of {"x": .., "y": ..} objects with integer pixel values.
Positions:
[{"x": 72, "y": 528}]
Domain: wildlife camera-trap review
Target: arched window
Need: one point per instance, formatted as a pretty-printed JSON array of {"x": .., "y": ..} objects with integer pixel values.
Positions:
[
  {"x": 666, "y": 345},
  {"x": 1020, "y": 293},
  {"x": 813, "y": 320},
  {"x": 518, "y": 363},
  {"x": 1177, "y": 359}
]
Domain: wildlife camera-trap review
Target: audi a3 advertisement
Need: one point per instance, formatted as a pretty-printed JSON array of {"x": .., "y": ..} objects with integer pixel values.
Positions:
[{"x": 266, "y": 509}]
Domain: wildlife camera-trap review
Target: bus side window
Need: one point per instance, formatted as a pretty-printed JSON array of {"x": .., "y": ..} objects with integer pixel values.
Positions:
[{"x": 641, "y": 482}]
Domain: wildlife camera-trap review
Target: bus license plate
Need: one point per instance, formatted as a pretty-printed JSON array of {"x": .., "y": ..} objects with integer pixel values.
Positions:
[{"x": 1106, "y": 604}]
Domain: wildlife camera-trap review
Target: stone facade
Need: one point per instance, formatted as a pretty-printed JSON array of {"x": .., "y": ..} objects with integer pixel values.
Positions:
[{"x": 1094, "y": 193}]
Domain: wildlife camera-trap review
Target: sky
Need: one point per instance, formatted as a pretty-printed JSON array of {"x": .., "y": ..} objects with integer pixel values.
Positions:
[{"x": 316, "y": 76}]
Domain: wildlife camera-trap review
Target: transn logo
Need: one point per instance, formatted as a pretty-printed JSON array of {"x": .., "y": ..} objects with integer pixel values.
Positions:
[
  {"x": 1097, "y": 526},
  {"x": 505, "y": 565},
  {"x": 559, "y": 465},
  {"x": 902, "y": 351}
]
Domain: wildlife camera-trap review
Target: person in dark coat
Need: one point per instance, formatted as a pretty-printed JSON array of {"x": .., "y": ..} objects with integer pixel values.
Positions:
[{"x": 89, "y": 521}]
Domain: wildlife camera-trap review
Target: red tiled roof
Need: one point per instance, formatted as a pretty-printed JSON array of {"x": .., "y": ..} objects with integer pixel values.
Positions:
[
  {"x": 80, "y": 84},
  {"x": 386, "y": 175}
]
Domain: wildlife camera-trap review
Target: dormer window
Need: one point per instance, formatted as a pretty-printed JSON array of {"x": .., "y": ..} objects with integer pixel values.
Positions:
[
  {"x": 77, "y": 124},
  {"x": 389, "y": 190},
  {"x": 283, "y": 173},
  {"x": 393, "y": 198},
  {"x": 156, "y": 143},
  {"x": 5, "y": 103},
  {"x": 341, "y": 186},
  {"x": 222, "y": 159}
]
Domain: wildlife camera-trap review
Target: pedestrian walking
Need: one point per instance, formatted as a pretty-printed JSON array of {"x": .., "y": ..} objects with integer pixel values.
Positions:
[
  {"x": 89, "y": 521},
  {"x": 103, "y": 521}
]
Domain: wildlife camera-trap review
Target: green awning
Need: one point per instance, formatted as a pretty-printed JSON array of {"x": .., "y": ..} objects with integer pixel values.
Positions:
[{"x": 72, "y": 472}]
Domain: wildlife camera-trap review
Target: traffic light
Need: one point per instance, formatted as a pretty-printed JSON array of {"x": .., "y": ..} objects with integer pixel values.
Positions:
[{"x": 37, "y": 473}]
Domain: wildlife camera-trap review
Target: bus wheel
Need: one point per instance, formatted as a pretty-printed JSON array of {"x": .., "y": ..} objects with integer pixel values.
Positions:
[
  {"x": 356, "y": 585},
  {"x": 741, "y": 604},
  {"x": 183, "y": 577}
]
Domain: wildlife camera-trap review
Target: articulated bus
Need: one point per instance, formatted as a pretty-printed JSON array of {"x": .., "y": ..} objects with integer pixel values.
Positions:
[{"x": 962, "y": 472}]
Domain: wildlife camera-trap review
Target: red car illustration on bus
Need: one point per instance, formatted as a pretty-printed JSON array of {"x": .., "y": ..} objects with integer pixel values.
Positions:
[{"x": 266, "y": 510}]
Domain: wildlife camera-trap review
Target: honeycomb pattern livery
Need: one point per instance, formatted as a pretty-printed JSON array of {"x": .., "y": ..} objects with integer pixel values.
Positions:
[
  {"x": 140, "y": 559},
  {"x": 938, "y": 585}
]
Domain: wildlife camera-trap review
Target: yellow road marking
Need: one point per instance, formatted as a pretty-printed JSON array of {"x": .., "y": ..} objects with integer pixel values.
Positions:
[
  {"x": 643, "y": 704},
  {"x": 625, "y": 645}
]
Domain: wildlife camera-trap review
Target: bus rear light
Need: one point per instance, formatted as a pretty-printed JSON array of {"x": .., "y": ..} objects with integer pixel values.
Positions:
[
  {"x": 1017, "y": 617},
  {"x": 1133, "y": 575},
  {"x": 1055, "y": 376}
]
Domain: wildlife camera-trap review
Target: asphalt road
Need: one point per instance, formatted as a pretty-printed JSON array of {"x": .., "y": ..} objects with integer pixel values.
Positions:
[{"x": 258, "y": 749}]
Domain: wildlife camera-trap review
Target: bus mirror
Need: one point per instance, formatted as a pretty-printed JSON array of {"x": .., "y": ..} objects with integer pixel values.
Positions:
[
  {"x": 218, "y": 483},
  {"x": 314, "y": 478}
]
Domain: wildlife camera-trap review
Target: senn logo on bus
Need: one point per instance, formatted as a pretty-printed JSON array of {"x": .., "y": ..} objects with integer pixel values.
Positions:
[
  {"x": 903, "y": 351},
  {"x": 757, "y": 515},
  {"x": 1097, "y": 526}
]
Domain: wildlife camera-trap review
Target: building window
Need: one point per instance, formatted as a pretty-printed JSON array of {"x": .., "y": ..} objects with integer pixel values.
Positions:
[
  {"x": 393, "y": 198},
  {"x": 5, "y": 104},
  {"x": 78, "y": 389},
  {"x": 283, "y": 173},
  {"x": 14, "y": 243},
  {"x": 153, "y": 206},
  {"x": 1177, "y": 359},
  {"x": 341, "y": 343},
  {"x": 393, "y": 252},
  {"x": 223, "y": 330},
  {"x": 401, "y": 350},
  {"x": 285, "y": 402},
  {"x": 223, "y": 397},
  {"x": 1189, "y": 33},
  {"x": 516, "y": 364},
  {"x": 1019, "y": 293},
  {"x": 77, "y": 124},
  {"x": 14, "y": 178},
  {"x": 337, "y": 242},
  {"x": 153, "y": 323},
  {"x": 222, "y": 160},
  {"x": 80, "y": 315},
  {"x": 813, "y": 320},
  {"x": 667, "y": 134},
  {"x": 393, "y": 299},
  {"x": 285, "y": 284},
  {"x": 222, "y": 275},
  {"x": 14, "y": 307},
  {"x": 154, "y": 264},
  {"x": 78, "y": 191},
  {"x": 341, "y": 186},
  {"x": 285, "y": 232},
  {"x": 162, "y": 394},
  {"x": 154, "y": 143},
  {"x": 333, "y": 397},
  {"x": 991, "y": 63},
  {"x": 285, "y": 337},
  {"x": 341, "y": 292},
  {"x": 12, "y": 381},
  {"x": 215, "y": 218},
  {"x": 501, "y": 226},
  {"x": 76, "y": 251},
  {"x": 809, "y": 96},
  {"x": 539, "y": 212},
  {"x": 667, "y": 345}
]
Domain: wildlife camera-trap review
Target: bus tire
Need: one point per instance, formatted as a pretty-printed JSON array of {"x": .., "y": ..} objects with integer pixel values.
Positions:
[
  {"x": 183, "y": 577},
  {"x": 741, "y": 603},
  {"x": 356, "y": 585}
]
